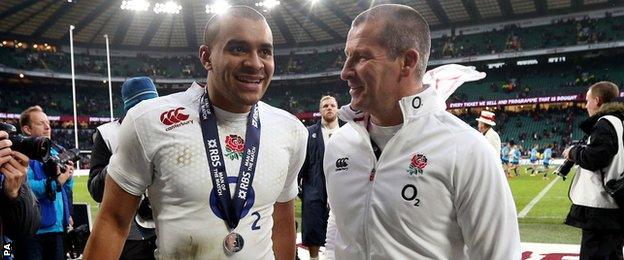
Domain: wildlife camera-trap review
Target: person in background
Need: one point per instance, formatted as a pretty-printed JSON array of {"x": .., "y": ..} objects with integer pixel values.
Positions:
[
  {"x": 141, "y": 241},
  {"x": 514, "y": 160},
  {"x": 600, "y": 160},
  {"x": 504, "y": 155},
  {"x": 51, "y": 184},
  {"x": 546, "y": 159},
  {"x": 533, "y": 160},
  {"x": 19, "y": 217},
  {"x": 486, "y": 124},
  {"x": 314, "y": 208}
]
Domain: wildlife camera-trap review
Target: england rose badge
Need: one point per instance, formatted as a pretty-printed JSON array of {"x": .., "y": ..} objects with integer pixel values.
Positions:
[{"x": 417, "y": 164}]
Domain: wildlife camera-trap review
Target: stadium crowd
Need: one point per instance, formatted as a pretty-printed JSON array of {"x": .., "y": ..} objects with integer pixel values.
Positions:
[{"x": 511, "y": 37}]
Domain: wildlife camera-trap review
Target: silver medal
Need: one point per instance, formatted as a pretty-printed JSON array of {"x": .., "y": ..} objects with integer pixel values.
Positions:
[{"x": 233, "y": 243}]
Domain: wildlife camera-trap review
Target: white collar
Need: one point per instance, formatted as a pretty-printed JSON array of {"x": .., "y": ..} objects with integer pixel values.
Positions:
[{"x": 412, "y": 107}]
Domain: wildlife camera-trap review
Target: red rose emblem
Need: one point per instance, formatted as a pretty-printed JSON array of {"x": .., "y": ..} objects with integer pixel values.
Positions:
[
  {"x": 419, "y": 161},
  {"x": 235, "y": 143}
]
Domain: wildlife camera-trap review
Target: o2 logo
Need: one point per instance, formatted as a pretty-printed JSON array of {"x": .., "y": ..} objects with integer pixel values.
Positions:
[
  {"x": 251, "y": 196},
  {"x": 409, "y": 193}
]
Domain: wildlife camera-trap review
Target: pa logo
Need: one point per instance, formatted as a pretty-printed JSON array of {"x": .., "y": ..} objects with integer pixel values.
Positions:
[{"x": 342, "y": 164}]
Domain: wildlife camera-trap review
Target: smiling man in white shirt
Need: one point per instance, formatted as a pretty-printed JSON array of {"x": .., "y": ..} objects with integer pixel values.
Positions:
[
  {"x": 220, "y": 166},
  {"x": 405, "y": 178}
]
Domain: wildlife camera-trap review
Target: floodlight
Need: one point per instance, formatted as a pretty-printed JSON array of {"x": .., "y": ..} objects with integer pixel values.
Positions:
[
  {"x": 168, "y": 8},
  {"x": 268, "y": 4},
  {"x": 218, "y": 7},
  {"x": 136, "y": 5}
]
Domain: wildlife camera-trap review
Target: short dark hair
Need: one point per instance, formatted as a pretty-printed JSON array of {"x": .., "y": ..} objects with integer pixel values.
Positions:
[
  {"x": 607, "y": 91},
  {"x": 24, "y": 118},
  {"x": 403, "y": 28},
  {"x": 213, "y": 25}
]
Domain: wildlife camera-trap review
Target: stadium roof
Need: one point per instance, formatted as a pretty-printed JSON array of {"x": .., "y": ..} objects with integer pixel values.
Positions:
[{"x": 295, "y": 23}]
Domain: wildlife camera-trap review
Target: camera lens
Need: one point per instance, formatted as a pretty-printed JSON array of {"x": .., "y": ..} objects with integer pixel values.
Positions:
[{"x": 36, "y": 148}]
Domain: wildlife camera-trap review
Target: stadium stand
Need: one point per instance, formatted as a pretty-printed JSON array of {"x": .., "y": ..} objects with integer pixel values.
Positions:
[{"x": 511, "y": 38}]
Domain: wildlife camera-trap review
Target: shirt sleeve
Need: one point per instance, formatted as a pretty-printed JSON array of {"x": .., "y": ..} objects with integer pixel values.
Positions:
[
  {"x": 20, "y": 217},
  {"x": 100, "y": 157},
  {"x": 296, "y": 161},
  {"x": 486, "y": 212},
  {"x": 600, "y": 151},
  {"x": 330, "y": 236},
  {"x": 129, "y": 166},
  {"x": 38, "y": 186}
]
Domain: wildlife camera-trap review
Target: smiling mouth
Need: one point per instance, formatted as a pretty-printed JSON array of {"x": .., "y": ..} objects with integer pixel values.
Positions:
[
  {"x": 250, "y": 80},
  {"x": 354, "y": 86}
]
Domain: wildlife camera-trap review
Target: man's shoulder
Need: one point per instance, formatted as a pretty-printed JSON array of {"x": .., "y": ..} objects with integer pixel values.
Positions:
[
  {"x": 154, "y": 108},
  {"x": 493, "y": 134},
  {"x": 285, "y": 119},
  {"x": 343, "y": 135},
  {"x": 110, "y": 125},
  {"x": 454, "y": 127},
  {"x": 461, "y": 134},
  {"x": 314, "y": 127}
]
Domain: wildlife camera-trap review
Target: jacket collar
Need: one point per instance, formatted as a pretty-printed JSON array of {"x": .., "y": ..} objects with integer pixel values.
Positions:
[
  {"x": 412, "y": 107},
  {"x": 425, "y": 102},
  {"x": 611, "y": 108}
]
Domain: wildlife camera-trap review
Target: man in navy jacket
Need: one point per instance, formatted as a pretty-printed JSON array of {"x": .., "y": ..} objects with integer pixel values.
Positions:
[{"x": 314, "y": 212}]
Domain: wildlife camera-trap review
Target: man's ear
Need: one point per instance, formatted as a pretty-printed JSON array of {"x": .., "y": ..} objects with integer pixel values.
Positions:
[
  {"x": 410, "y": 62},
  {"x": 599, "y": 101},
  {"x": 26, "y": 130},
  {"x": 204, "y": 57}
]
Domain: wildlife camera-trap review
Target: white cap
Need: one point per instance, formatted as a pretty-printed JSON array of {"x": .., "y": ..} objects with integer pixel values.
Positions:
[{"x": 487, "y": 118}]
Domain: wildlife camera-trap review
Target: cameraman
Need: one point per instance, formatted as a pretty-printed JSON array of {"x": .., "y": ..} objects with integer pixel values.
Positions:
[
  {"x": 19, "y": 214},
  {"x": 51, "y": 187},
  {"x": 601, "y": 159},
  {"x": 141, "y": 241}
]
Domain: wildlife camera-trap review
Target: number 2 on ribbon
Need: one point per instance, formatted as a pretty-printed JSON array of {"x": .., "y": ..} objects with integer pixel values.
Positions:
[{"x": 255, "y": 226}]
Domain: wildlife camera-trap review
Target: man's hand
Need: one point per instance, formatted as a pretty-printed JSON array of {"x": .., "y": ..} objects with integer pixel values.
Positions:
[
  {"x": 70, "y": 168},
  {"x": 566, "y": 153},
  {"x": 67, "y": 174},
  {"x": 5, "y": 147},
  {"x": 14, "y": 171}
]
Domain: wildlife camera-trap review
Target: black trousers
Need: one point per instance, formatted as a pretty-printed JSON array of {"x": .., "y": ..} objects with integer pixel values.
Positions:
[
  {"x": 139, "y": 249},
  {"x": 602, "y": 244},
  {"x": 47, "y": 246}
]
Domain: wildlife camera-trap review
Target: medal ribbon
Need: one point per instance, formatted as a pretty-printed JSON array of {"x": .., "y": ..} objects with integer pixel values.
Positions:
[{"x": 231, "y": 207}]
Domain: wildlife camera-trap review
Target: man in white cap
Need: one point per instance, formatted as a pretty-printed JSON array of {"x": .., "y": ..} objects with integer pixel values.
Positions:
[
  {"x": 486, "y": 122},
  {"x": 141, "y": 241}
]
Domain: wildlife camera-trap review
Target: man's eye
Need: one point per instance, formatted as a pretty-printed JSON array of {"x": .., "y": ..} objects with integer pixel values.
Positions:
[{"x": 237, "y": 49}]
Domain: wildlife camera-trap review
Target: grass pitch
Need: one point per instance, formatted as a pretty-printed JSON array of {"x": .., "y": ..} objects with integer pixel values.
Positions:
[{"x": 542, "y": 224}]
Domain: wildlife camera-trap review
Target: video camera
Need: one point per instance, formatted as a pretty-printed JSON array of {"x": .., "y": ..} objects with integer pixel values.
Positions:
[
  {"x": 65, "y": 157},
  {"x": 35, "y": 148},
  {"x": 566, "y": 166}
]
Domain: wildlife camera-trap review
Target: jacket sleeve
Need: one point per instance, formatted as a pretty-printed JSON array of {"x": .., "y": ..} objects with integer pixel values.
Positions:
[
  {"x": 600, "y": 151},
  {"x": 485, "y": 208},
  {"x": 331, "y": 237},
  {"x": 38, "y": 186},
  {"x": 303, "y": 173},
  {"x": 20, "y": 217},
  {"x": 100, "y": 157}
]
